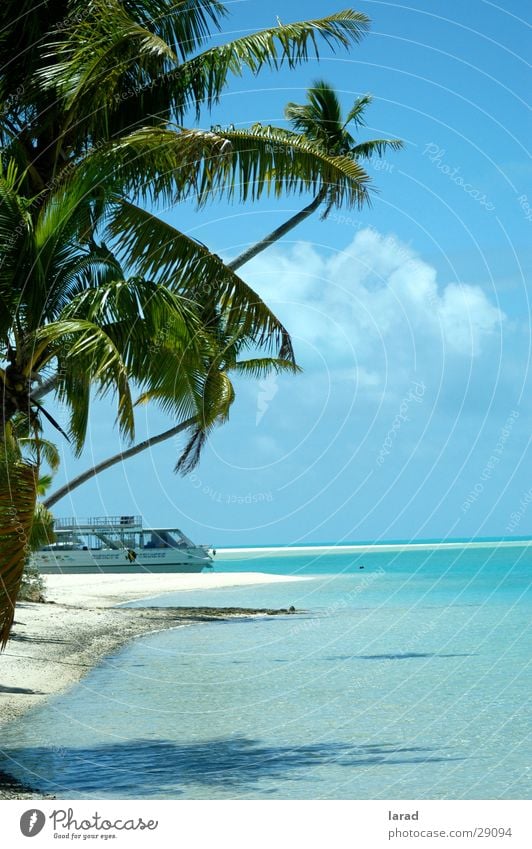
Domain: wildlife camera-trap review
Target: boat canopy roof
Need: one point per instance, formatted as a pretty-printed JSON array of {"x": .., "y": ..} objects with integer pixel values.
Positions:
[
  {"x": 93, "y": 522},
  {"x": 110, "y": 524}
]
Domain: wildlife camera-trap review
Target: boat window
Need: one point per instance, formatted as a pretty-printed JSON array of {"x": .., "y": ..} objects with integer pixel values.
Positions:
[
  {"x": 165, "y": 539},
  {"x": 161, "y": 539}
]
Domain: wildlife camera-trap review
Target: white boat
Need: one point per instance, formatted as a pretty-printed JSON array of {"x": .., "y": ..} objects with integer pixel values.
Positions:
[{"x": 119, "y": 544}]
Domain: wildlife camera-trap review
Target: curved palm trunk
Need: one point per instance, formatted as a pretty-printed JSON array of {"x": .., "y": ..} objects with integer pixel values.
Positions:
[
  {"x": 112, "y": 461},
  {"x": 244, "y": 257},
  {"x": 277, "y": 234}
]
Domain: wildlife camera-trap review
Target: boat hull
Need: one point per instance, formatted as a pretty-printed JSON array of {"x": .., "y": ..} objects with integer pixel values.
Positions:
[{"x": 120, "y": 562}]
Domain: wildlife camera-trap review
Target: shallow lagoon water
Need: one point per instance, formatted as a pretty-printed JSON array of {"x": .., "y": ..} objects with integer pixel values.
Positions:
[{"x": 408, "y": 679}]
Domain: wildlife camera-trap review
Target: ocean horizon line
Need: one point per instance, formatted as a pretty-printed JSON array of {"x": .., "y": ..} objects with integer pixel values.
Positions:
[{"x": 285, "y": 549}]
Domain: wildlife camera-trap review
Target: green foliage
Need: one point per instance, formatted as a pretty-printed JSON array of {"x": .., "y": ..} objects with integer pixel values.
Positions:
[
  {"x": 321, "y": 123},
  {"x": 97, "y": 295}
]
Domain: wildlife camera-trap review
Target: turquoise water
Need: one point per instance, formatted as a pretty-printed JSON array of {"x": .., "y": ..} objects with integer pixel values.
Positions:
[{"x": 408, "y": 679}]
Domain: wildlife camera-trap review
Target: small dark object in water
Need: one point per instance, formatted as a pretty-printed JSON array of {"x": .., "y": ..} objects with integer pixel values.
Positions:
[
  {"x": 291, "y": 609},
  {"x": 360, "y": 567}
]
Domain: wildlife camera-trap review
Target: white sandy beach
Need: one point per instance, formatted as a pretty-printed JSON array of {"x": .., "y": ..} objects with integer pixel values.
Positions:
[
  {"x": 110, "y": 590},
  {"x": 55, "y": 644}
]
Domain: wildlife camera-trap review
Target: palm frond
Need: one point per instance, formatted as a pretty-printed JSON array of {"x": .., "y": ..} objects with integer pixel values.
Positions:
[
  {"x": 191, "y": 454},
  {"x": 111, "y": 59},
  {"x": 184, "y": 25},
  {"x": 320, "y": 118},
  {"x": 33, "y": 447},
  {"x": 73, "y": 389},
  {"x": 40, "y": 450},
  {"x": 16, "y": 240},
  {"x": 98, "y": 52},
  {"x": 356, "y": 114},
  {"x": 90, "y": 350},
  {"x": 259, "y": 367},
  {"x": 156, "y": 164},
  {"x": 268, "y": 160},
  {"x": 203, "y": 78},
  {"x": 168, "y": 165},
  {"x": 155, "y": 248},
  {"x": 367, "y": 149},
  {"x": 44, "y": 483},
  {"x": 107, "y": 336},
  {"x": 218, "y": 396},
  {"x": 42, "y": 529}
]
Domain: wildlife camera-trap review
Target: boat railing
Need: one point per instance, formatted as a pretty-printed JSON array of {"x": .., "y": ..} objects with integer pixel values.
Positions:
[{"x": 93, "y": 522}]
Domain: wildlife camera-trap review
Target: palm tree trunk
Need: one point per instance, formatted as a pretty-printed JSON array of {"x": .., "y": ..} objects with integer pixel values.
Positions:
[
  {"x": 244, "y": 257},
  {"x": 277, "y": 234},
  {"x": 18, "y": 496},
  {"x": 112, "y": 461}
]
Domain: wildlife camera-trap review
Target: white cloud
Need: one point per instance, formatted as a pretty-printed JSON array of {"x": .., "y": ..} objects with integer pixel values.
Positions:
[{"x": 374, "y": 304}]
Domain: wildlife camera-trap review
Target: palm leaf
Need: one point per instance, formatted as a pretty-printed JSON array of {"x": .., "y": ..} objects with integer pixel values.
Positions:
[
  {"x": 218, "y": 396},
  {"x": 110, "y": 58},
  {"x": 32, "y": 446},
  {"x": 203, "y": 78},
  {"x": 84, "y": 346},
  {"x": 15, "y": 237},
  {"x": 107, "y": 336},
  {"x": 44, "y": 484},
  {"x": 268, "y": 160},
  {"x": 320, "y": 118},
  {"x": 156, "y": 164},
  {"x": 42, "y": 530},
  {"x": 184, "y": 25},
  {"x": 43, "y": 450},
  {"x": 356, "y": 114},
  {"x": 155, "y": 248},
  {"x": 167, "y": 165},
  {"x": 263, "y": 366},
  {"x": 378, "y": 146},
  {"x": 99, "y": 51}
]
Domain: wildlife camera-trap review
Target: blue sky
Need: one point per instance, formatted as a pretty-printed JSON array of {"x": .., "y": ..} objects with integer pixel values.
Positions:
[{"x": 410, "y": 318}]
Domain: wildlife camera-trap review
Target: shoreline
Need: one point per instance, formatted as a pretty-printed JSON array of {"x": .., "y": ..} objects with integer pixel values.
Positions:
[{"x": 56, "y": 643}]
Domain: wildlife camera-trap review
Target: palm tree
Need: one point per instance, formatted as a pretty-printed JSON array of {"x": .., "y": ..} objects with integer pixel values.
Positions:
[
  {"x": 99, "y": 89},
  {"x": 317, "y": 124},
  {"x": 93, "y": 98},
  {"x": 68, "y": 309},
  {"x": 320, "y": 122},
  {"x": 47, "y": 322},
  {"x": 95, "y": 95}
]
